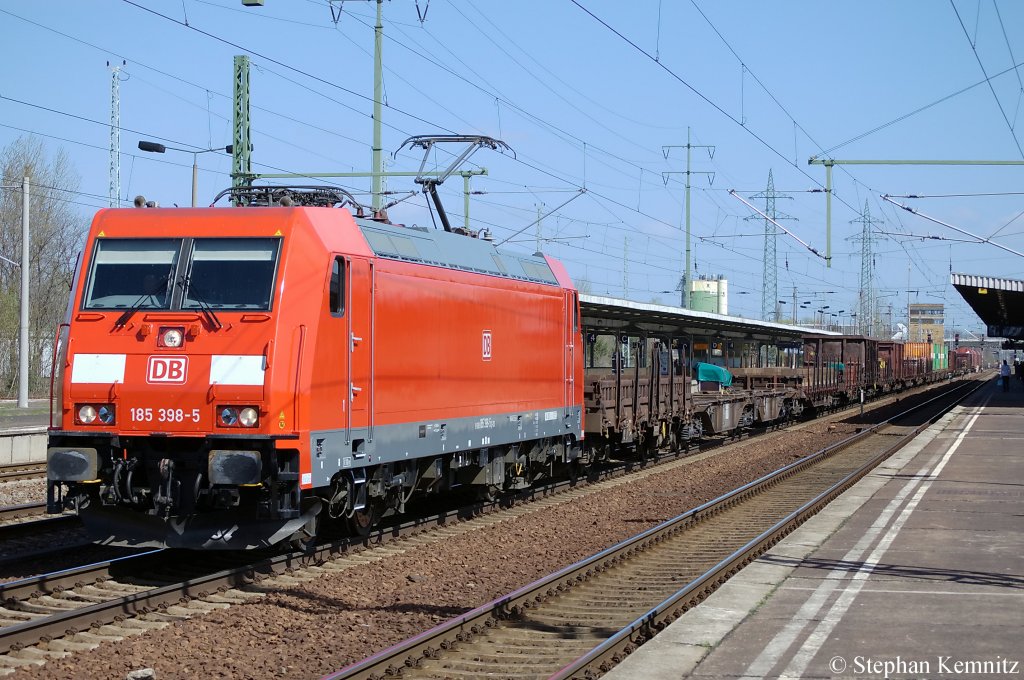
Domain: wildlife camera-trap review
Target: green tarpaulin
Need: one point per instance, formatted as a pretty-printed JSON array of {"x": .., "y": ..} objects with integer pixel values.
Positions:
[{"x": 712, "y": 373}]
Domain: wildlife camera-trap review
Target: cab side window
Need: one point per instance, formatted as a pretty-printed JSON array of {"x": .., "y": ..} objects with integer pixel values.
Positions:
[{"x": 338, "y": 286}]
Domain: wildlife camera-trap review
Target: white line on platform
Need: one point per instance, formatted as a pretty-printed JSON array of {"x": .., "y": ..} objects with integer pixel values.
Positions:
[
  {"x": 784, "y": 639},
  {"x": 1002, "y": 593},
  {"x": 798, "y": 665}
]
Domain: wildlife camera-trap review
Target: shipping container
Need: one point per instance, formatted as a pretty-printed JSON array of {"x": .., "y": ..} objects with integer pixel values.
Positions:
[{"x": 917, "y": 350}]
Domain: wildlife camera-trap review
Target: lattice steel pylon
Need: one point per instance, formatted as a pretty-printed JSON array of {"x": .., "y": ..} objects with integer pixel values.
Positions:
[
  {"x": 866, "y": 299},
  {"x": 114, "y": 191},
  {"x": 241, "y": 147},
  {"x": 770, "y": 285}
]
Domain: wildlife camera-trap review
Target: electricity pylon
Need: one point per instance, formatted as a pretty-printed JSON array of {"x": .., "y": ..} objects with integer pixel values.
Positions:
[
  {"x": 770, "y": 285},
  {"x": 866, "y": 299}
]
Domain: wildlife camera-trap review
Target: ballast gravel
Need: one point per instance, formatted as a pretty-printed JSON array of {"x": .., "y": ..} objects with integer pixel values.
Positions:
[
  {"x": 22, "y": 491},
  {"x": 310, "y": 629}
]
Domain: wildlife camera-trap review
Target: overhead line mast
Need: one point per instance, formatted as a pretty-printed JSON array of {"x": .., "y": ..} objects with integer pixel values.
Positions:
[
  {"x": 241, "y": 148},
  {"x": 830, "y": 162},
  {"x": 377, "y": 160},
  {"x": 665, "y": 150},
  {"x": 243, "y": 175},
  {"x": 114, "y": 191}
]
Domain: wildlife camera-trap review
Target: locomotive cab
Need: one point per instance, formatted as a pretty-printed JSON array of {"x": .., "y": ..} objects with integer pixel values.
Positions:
[{"x": 163, "y": 407}]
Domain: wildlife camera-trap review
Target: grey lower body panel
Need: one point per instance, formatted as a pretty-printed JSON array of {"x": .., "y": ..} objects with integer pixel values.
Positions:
[
  {"x": 225, "y": 530},
  {"x": 334, "y": 450}
]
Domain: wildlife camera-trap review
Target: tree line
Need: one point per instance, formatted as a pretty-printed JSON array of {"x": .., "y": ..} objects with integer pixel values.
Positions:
[{"x": 56, "y": 235}]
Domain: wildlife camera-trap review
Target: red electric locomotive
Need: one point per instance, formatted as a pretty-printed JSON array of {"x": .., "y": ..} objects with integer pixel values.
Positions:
[{"x": 231, "y": 377}]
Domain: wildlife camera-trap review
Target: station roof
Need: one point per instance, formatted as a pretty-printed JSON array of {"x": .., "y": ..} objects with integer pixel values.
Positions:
[
  {"x": 999, "y": 303},
  {"x": 613, "y": 313}
]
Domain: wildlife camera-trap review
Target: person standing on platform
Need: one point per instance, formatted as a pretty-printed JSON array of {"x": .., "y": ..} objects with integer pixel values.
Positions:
[
  {"x": 1019, "y": 370},
  {"x": 1004, "y": 375}
]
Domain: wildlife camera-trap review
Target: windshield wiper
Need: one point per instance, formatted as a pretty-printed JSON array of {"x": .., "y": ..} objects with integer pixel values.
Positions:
[
  {"x": 187, "y": 288},
  {"x": 137, "y": 305}
]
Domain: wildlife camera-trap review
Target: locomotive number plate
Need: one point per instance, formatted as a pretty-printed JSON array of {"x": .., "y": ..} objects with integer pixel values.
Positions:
[{"x": 163, "y": 415}]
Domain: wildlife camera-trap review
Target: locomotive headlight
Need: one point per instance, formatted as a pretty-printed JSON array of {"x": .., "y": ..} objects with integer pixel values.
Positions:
[
  {"x": 106, "y": 414},
  {"x": 228, "y": 415},
  {"x": 248, "y": 416},
  {"x": 238, "y": 416},
  {"x": 172, "y": 337},
  {"x": 96, "y": 414}
]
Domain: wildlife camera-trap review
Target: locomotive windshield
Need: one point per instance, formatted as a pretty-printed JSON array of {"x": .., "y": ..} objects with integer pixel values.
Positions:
[
  {"x": 132, "y": 273},
  {"x": 209, "y": 273},
  {"x": 231, "y": 273}
]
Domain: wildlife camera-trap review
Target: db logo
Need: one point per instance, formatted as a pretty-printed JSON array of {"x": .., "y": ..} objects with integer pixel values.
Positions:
[
  {"x": 487, "y": 346},
  {"x": 170, "y": 370}
]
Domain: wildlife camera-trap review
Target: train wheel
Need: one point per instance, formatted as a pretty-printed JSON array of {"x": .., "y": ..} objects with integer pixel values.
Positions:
[
  {"x": 487, "y": 493},
  {"x": 574, "y": 472},
  {"x": 362, "y": 521},
  {"x": 654, "y": 444},
  {"x": 641, "y": 447}
]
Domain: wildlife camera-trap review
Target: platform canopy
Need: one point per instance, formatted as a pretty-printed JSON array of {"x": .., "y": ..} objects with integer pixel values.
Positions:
[
  {"x": 999, "y": 303},
  {"x": 628, "y": 315}
]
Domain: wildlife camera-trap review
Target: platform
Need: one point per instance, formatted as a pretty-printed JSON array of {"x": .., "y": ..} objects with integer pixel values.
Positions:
[
  {"x": 23, "y": 432},
  {"x": 916, "y": 571},
  {"x": 12, "y": 417}
]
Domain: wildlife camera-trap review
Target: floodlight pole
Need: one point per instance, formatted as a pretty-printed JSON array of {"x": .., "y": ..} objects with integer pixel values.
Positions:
[
  {"x": 154, "y": 147},
  {"x": 23, "y": 327},
  {"x": 377, "y": 160},
  {"x": 23, "y": 348}
]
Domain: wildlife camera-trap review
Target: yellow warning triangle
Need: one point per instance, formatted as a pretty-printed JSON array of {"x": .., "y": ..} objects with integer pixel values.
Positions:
[
  {"x": 278, "y": 233},
  {"x": 101, "y": 234}
]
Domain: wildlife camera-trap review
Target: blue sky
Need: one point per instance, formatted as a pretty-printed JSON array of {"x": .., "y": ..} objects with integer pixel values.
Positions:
[{"x": 584, "y": 105}]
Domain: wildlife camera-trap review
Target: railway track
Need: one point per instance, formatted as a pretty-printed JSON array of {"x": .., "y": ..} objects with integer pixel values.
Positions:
[
  {"x": 37, "y": 521},
  {"x": 582, "y": 620},
  {"x": 27, "y": 535},
  {"x": 10, "y": 473},
  {"x": 13, "y": 512},
  {"x": 57, "y": 613}
]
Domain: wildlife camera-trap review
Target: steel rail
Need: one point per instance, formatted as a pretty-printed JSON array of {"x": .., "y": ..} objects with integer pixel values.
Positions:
[
  {"x": 74, "y": 620},
  {"x": 71, "y": 621},
  {"x": 10, "y": 473},
  {"x": 431, "y": 644},
  {"x": 37, "y": 526},
  {"x": 50, "y": 553},
  {"x": 64, "y": 579},
  {"x": 612, "y": 651},
  {"x": 34, "y": 526},
  {"x": 22, "y": 510}
]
